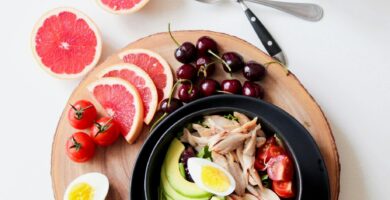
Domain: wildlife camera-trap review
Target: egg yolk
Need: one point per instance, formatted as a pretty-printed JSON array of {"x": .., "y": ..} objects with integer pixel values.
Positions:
[
  {"x": 215, "y": 179},
  {"x": 81, "y": 191}
]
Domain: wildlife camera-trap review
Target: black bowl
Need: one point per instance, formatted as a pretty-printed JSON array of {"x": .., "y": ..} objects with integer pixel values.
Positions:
[{"x": 311, "y": 175}]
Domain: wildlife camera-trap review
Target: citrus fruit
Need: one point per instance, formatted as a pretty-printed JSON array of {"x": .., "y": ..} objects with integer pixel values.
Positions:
[
  {"x": 66, "y": 43},
  {"x": 141, "y": 80},
  {"x": 154, "y": 65},
  {"x": 121, "y": 101},
  {"x": 122, "y": 6}
]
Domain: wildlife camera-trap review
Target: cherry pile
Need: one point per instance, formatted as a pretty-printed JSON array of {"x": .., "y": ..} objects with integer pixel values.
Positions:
[{"x": 199, "y": 62}]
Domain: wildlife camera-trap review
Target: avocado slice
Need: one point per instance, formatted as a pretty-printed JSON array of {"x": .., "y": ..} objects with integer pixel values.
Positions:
[
  {"x": 175, "y": 179},
  {"x": 170, "y": 193}
]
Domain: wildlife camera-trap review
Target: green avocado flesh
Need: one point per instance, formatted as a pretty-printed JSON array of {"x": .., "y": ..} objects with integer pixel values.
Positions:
[
  {"x": 173, "y": 182},
  {"x": 171, "y": 193}
]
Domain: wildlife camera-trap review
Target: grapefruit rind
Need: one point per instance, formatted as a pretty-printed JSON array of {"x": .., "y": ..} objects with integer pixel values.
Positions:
[
  {"x": 164, "y": 63},
  {"x": 137, "y": 125},
  {"x": 134, "y": 9},
  {"x": 148, "y": 117},
  {"x": 79, "y": 15}
]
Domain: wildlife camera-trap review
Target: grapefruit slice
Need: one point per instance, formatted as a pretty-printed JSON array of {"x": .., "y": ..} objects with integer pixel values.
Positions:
[
  {"x": 141, "y": 80},
  {"x": 153, "y": 64},
  {"x": 66, "y": 43},
  {"x": 121, "y": 100},
  {"x": 122, "y": 6}
]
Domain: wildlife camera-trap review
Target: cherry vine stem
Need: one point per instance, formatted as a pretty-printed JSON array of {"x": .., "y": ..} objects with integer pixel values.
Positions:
[
  {"x": 158, "y": 121},
  {"x": 285, "y": 68},
  {"x": 220, "y": 59},
  {"x": 170, "y": 34},
  {"x": 224, "y": 92},
  {"x": 203, "y": 68}
]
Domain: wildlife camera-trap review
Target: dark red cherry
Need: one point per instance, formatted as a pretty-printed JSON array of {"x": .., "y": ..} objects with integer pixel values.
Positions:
[
  {"x": 231, "y": 86},
  {"x": 252, "y": 89},
  {"x": 186, "y": 53},
  {"x": 205, "y": 66},
  {"x": 209, "y": 87},
  {"x": 186, "y": 93},
  {"x": 169, "y": 108},
  {"x": 234, "y": 60},
  {"x": 204, "y": 44},
  {"x": 253, "y": 71},
  {"x": 186, "y": 71}
]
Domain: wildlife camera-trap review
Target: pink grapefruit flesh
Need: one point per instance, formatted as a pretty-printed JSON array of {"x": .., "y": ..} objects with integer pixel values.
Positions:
[
  {"x": 154, "y": 65},
  {"x": 66, "y": 43},
  {"x": 121, "y": 100},
  {"x": 141, "y": 80},
  {"x": 122, "y": 6}
]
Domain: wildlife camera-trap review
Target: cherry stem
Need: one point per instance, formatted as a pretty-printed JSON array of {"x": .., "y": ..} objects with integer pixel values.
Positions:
[
  {"x": 224, "y": 92},
  {"x": 203, "y": 68},
  {"x": 220, "y": 59},
  {"x": 170, "y": 34},
  {"x": 285, "y": 68},
  {"x": 172, "y": 91},
  {"x": 188, "y": 81},
  {"x": 158, "y": 121}
]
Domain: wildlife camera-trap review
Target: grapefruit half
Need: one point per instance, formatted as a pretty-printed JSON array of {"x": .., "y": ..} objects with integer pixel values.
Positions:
[
  {"x": 139, "y": 79},
  {"x": 122, "y": 6},
  {"x": 154, "y": 65},
  {"x": 121, "y": 101},
  {"x": 66, "y": 43}
]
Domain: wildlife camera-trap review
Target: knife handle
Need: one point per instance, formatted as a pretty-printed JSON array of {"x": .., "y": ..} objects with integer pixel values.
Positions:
[{"x": 265, "y": 37}]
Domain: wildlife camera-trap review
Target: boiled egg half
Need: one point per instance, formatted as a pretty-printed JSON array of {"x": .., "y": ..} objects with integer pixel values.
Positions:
[
  {"x": 91, "y": 186},
  {"x": 211, "y": 177}
]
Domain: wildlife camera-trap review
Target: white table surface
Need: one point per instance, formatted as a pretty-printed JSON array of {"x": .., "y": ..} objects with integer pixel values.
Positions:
[{"x": 342, "y": 60}]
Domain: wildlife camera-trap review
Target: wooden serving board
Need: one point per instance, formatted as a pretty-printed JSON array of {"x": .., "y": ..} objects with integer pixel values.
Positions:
[{"x": 118, "y": 160}]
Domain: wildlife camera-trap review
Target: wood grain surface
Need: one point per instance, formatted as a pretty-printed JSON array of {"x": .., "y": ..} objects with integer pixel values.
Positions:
[{"x": 117, "y": 161}]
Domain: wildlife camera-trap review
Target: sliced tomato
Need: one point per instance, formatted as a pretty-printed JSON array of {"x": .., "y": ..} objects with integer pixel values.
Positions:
[
  {"x": 283, "y": 189},
  {"x": 280, "y": 168},
  {"x": 262, "y": 154},
  {"x": 274, "y": 151}
]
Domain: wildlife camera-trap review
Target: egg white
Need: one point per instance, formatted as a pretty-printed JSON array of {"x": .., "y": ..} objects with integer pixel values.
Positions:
[
  {"x": 195, "y": 166},
  {"x": 99, "y": 183}
]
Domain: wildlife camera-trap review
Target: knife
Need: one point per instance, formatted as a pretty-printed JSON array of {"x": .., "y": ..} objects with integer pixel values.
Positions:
[{"x": 265, "y": 37}]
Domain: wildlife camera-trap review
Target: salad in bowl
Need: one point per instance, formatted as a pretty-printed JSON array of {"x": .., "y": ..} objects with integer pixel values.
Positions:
[{"x": 227, "y": 156}]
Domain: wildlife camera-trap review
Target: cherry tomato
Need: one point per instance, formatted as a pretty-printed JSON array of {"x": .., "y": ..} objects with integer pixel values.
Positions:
[
  {"x": 262, "y": 154},
  {"x": 283, "y": 189},
  {"x": 82, "y": 114},
  {"x": 104, "y": 131},
  {"x": 80, "y": 147},
  {"x": 280, "y": 168}
]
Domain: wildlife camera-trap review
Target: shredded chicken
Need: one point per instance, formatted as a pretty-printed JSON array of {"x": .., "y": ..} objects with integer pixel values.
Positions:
[
  {"x": 220, "y": 123},
  {"x": 242, "y": 119},
  {"x": 233, "y": 146},
  {"x": 245, "y": 128},
  {"x": 248, "y": 196},
  {"x": 253, "y": 190},
  {"x": 230, "y": 143},
  {"x": 193, "y": 140},
  {"x": 203, "y": 131},
  {"x": 236, "y": 172},
  {"x": 220, "y": 160},
  {"x": 260, "y": 141}
]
